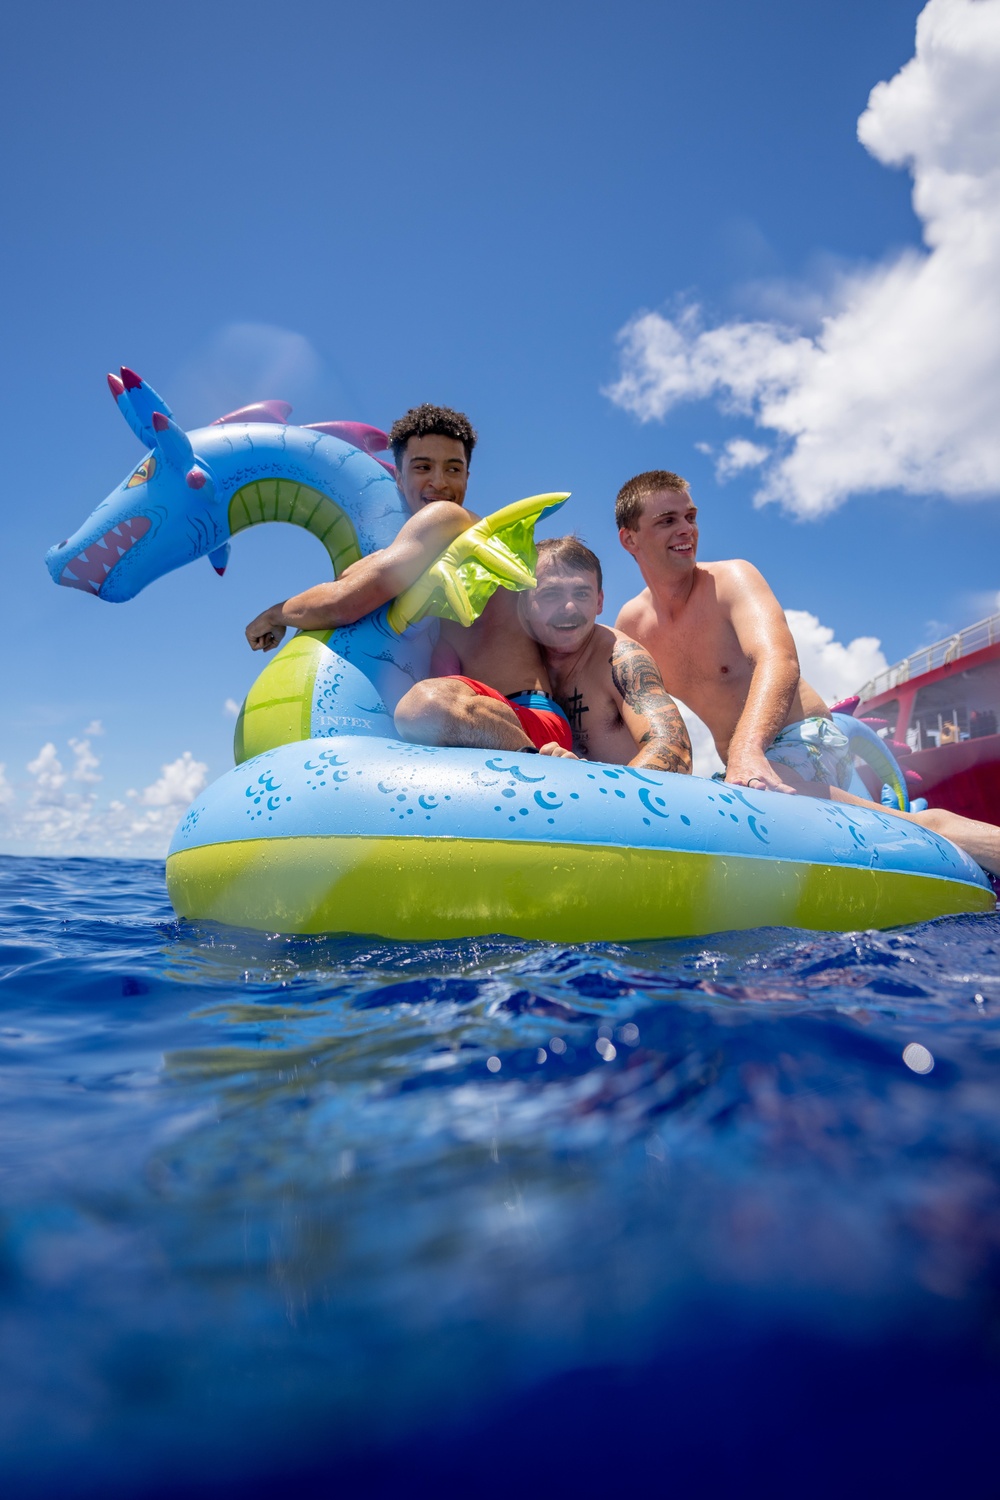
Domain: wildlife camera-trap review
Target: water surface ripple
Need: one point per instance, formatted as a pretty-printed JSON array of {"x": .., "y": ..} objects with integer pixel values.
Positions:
[{"x": 376, "y": 1205}]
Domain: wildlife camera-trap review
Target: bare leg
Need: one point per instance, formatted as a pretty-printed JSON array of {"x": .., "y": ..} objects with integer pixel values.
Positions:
[
  {"x": 441, "y": 711},
  {"x": 980, "y": 840}
]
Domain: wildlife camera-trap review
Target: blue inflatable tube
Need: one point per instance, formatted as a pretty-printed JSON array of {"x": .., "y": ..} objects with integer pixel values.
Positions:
[
  {"x": 867, "y": 745},
  {"x": 369, "y": 835}
]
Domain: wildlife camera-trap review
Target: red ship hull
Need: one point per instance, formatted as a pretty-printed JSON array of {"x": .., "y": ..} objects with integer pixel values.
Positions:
[
  {"x": 964, "y": 778},
  {"x": 949, "y": 718}
]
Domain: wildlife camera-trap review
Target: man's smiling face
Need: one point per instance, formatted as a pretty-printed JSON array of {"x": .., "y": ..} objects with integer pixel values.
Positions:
[
  {"x": 561, "y": 610},
  {"x": 433, "y": 468},
  {"x": 667, "y": 531}
]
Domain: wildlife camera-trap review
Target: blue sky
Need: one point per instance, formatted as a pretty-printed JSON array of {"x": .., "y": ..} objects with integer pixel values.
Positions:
[{"x": 360, "y": 208}]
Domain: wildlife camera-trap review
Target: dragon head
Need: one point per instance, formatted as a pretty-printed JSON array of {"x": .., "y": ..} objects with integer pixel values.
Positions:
[{"x": 163, "y": 514}]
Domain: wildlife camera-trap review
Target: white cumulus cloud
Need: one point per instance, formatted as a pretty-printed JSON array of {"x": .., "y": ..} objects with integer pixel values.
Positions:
[
  {"x": 900, "y": 385},
  {"x": 48, "y": 774},
  {"x": 740, "y": 454},
  {"x": 85, "y": 761},
  {"x": 56, "y": 815},
  {"x": 836, "y": 671},
  {"x": 231, "y": 708},
  {"x": 179, "y": 783}
]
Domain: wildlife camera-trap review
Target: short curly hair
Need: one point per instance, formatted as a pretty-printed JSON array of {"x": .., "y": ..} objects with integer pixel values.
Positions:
[
  {"x": 628, "y": 506},
  {"x": 425, "y": 420}
]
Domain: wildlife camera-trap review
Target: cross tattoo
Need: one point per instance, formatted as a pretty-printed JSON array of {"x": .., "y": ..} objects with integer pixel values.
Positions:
[{"x": 575, "y": 710}]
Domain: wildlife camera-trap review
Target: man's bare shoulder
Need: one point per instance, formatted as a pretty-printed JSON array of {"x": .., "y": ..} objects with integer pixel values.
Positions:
[
  {"x": 618, "y": 636},
  {"x": 634, "y": 611},
  {"x": 622, "y": 647},
  {"x": 602, "y": 643},
  {"x": 733, "y": 576},
  {"x": 439, "y": 523}
]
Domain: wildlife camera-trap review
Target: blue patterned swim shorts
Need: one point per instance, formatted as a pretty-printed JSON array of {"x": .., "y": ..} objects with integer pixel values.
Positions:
[{"x": 816, "y": 749}]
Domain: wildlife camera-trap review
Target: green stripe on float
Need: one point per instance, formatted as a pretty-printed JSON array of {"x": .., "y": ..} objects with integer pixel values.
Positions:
[
  {"x": 413, "y": 888},
  {"x": 278, "y": 707},
  {"x": 298, "y": 505}
]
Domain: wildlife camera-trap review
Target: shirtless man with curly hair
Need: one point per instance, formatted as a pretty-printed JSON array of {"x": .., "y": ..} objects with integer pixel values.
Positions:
[{"x": 490, "y": 686}]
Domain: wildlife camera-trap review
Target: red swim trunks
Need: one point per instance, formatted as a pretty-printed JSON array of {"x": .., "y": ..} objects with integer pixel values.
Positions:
[{"x": 538, "y": 715}]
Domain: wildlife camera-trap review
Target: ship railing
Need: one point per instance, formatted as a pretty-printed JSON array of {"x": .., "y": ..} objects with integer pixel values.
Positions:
[{"x": 941, "y": 654}]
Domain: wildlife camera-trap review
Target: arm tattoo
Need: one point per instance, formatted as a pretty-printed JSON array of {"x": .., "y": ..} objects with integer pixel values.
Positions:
[{"x": 665, "y": 744}]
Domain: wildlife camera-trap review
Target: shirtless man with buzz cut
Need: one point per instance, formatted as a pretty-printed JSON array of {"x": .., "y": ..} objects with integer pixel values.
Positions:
[
  {"x": 497, "y": 695},
  {"x": 723, "y": 647},
  {"x": 607, "y": 685}
]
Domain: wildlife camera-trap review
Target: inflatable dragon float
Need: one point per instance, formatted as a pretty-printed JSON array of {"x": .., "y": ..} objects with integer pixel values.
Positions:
[{"x": 329, "y": 822}]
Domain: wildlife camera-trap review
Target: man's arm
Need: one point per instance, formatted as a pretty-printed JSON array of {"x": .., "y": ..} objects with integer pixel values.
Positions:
[
  {"x": 368, "y": 583},
  {"x": 651, "y": 716},
  {"x": 766, "y": 642}
]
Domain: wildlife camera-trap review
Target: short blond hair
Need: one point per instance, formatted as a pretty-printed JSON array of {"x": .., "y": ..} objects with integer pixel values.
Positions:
[{"x": 628, "y": 506}]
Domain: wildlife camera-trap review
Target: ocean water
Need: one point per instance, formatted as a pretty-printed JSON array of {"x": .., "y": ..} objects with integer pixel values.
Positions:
[{"x": 340, "y": 1216}]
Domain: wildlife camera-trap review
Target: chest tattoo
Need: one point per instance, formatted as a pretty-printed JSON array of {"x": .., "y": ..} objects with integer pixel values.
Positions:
[{"x": 575, "y": 708}]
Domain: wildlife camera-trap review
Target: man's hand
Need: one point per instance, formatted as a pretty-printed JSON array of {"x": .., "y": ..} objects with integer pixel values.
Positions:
[
  {"x": 756, "y": 774},
  {"x": 555, "y": 749},
  {"x": 266, "y": 631}
]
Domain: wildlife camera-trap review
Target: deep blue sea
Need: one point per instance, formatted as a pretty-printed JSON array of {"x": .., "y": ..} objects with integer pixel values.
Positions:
[{"x": 333, "y": 1216}]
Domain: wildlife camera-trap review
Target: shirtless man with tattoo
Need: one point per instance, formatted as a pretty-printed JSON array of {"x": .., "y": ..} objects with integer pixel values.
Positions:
[
  {"x": 722, "y": 644},
  {"x": 607, "y": 685},
  {"x": 502, "y": 700}
]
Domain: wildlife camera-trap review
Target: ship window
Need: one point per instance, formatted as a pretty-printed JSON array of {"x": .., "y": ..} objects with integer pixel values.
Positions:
[
  {"x": 962, "y": 706},
  {"x": 882, "y": 719}
]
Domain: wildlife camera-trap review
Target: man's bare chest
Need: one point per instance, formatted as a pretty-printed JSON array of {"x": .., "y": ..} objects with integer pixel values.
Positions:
[
  {"x": 594, "y": 715},
  {"x": 496, "y": 649},
  {"x": 699, "y": 650}
]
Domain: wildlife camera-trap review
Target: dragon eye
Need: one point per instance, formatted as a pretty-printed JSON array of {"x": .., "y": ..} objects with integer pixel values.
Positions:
[{"x": 145, "y": 471}]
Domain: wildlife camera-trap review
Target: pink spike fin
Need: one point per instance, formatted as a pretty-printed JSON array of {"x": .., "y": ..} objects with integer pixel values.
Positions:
[
  {"x": 160, "y": 422},
  {"x": 260, "y": 411},
  {"x": 196, "y": 479},
  {"x": 845, "y": 706},
  {"x": 130, "y": 380},
  {"x": 914, "y": 777},
  {"x": 359, "y": 434},
  {"x": 116, "y": 386}
]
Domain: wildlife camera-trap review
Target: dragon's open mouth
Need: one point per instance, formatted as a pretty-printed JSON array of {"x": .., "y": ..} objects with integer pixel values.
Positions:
[{"x": 91, "y": 566}]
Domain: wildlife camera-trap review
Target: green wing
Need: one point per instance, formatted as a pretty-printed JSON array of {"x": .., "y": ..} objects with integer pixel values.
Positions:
[{"x": 498, "y": 552}]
